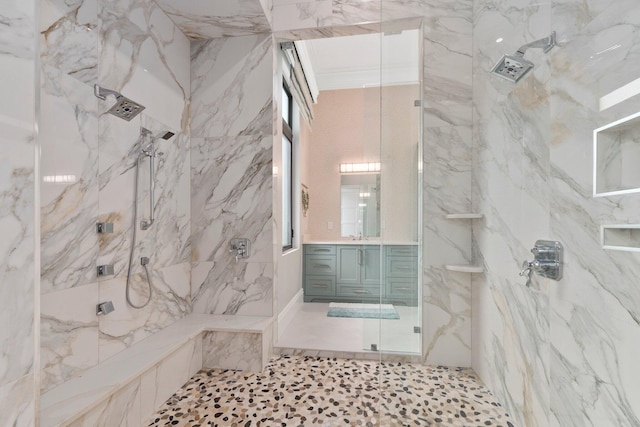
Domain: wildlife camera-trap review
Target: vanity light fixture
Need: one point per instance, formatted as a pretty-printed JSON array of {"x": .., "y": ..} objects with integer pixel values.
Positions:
[
  {"x": 359, "y": 167},
  {"x": 59, "y": 179}
]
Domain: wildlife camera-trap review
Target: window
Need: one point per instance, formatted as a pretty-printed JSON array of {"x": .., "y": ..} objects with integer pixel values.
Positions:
[{"x": 287, "y": 169}]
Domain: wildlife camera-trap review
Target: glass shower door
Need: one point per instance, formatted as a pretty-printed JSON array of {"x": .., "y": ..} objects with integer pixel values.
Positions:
[{"x": 398, "y": 253}]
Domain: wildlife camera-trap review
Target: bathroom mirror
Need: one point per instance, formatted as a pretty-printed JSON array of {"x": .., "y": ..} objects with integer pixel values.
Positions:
[{"x": 360, "y": 205}]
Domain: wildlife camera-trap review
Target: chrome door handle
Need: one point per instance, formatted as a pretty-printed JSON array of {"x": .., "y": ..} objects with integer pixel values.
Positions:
[{"x": 360, "y": 257}]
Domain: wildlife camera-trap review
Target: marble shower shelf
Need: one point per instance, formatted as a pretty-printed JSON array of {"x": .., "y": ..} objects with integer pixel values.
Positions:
[
  {"x": 469, "y": 215},
  {"x": 620, "y": 237},
  {"x": 464, "y": 268}
]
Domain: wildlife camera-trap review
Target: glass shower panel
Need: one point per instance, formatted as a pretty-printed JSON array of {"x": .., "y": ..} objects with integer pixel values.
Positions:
[{"x": 398, "y": 329}]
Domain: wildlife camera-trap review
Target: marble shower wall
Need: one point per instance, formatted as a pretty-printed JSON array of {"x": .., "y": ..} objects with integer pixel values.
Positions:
[
  {"x": 231, "y": 174},
  {"x": 18, "y": 286},
  {"x": 88, "y": 167},
  {"x": 447, "y": 138},
  {"x": 558, "y": 353}
]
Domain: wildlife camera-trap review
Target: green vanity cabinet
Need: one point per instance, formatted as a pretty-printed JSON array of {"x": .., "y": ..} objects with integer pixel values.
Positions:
[
  {"x": 401, "y": 274},
  {"x": 319, "y": 272},
  {"x": 358, "y": 272},
  {"x": 350, "y": 273}
]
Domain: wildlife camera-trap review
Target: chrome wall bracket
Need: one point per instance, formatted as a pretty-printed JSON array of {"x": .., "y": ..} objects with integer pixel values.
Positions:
[
  {"x": 547, "y": 261},
  {"x": 104, "y": 308}
]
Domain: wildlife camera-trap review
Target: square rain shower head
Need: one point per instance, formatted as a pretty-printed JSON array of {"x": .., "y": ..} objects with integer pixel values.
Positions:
[
  {"x": 125, "y": 108},
  {"x": 512, "y": 68}
]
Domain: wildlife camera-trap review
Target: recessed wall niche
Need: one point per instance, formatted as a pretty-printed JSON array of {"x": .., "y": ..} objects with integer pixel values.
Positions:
[
  {"x": 616, "y": 155},
  {"x": 620, "y": 237}
]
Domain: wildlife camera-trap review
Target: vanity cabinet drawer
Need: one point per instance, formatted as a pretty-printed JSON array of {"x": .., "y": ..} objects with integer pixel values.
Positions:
[
  {"x": 319, "y": 286},
  {"x": 401, "y": 251},
  {"x": 358, "y": 291},
  {"x": 400, "y": 288},
  {"x": 401, "y": 267},
  {"x": 320, "y": 265},
  {"x": 319, "y": 249}
]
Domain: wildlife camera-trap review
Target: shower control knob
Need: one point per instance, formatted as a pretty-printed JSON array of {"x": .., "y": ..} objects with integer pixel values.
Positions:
[{"x": 526, "y": 268}]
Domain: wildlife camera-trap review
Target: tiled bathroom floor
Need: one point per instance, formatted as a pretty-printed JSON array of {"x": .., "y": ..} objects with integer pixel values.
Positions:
[
  {"x": 310, "y": 328},
  {"x": 309, "y": 391}
]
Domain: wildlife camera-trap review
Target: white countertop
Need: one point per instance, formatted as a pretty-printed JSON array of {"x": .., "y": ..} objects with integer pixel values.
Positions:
[{"x": 360, "y": 242}]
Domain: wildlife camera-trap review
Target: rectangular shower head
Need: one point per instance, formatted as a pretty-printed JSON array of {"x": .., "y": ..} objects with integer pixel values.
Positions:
[
  {"x": 512, "y": 68},
  {"x": 124, "y": 108}
]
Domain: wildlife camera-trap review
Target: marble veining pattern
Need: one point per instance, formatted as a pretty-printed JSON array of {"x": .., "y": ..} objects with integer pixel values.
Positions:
[
  {"x": 68, "y": 334},
  {"x": 232, "y": 94},
  {"x": 572, "y": 340},
  {"x": 447, "y": 142},
  {"x": 132, "y": 47},
  {"x": 127, "y": 326},
  {"x": 69, "y": 211},
  {"x": 159, "y": 384},
  {"x": 214, "y": 20},
  {"x": 234, "y": 192},
  {"x": 17, "y": 400},
  {"x": 18, "y": 392},
  {"x": 137, "y": 39},
  {"x": 231, "y": 350},
  {"x": 16, "y": 251},
  {"x": 69, "y": 39},
  {"x": 122, "y": 409},
  {"x": 244, "y": 288},
  {"x": 231, "y": 174}
]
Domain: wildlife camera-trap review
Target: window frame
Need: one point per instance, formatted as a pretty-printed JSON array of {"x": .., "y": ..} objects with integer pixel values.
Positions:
[{"x": 287, "y": 133}]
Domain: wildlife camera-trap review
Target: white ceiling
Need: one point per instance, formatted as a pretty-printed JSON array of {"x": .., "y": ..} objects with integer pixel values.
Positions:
[{"x": 364, "y": 60}]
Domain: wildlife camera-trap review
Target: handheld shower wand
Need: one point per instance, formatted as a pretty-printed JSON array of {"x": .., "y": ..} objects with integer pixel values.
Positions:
[
  {"x": 147, "y": 151},
  {"x": 151, "y": 152}
]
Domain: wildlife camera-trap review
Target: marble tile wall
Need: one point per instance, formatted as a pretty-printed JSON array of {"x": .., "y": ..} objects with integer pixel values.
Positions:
[
  {"x": 231, "y": 174},
  {"x": 209, "y": 20},
  {"x": 511, "y": 174},
  {"x": 134, "y": 48},
  {"x": 158, "y": 384},
  {"x": 232, "y": 350},
  {"x": 447, "y": 141},
  {"x": 18, "y": 286},
  {"x": 557, "y": 353}
]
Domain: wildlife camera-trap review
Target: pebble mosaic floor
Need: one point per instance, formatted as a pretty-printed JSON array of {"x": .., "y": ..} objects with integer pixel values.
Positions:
[{"x": 310, "y": 391}]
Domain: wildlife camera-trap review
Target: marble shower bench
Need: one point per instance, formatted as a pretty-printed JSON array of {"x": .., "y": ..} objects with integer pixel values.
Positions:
[{"x": 127, "y": 388}]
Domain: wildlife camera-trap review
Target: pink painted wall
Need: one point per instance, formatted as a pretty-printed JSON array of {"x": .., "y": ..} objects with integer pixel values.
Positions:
[{"x": 347, "y": 129}]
